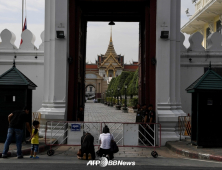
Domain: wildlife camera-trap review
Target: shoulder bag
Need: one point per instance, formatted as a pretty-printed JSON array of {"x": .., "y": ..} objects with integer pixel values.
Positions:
[{"x": 113, "y": 146}]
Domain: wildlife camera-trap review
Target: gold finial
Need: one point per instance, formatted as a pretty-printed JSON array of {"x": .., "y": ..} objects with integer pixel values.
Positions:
[{"x": 111, "y": 34}]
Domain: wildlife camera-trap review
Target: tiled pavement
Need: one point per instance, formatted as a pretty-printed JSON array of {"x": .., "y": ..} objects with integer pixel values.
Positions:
[{"x": 98, "y": 112}]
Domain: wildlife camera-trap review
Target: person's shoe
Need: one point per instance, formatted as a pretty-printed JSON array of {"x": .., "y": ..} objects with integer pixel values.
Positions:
[
  {"x": 4, "y": 156},
  {"x": 84, "y": 156},
  {"x": 31, "y": 156},
  {"x": 104, "y": 155},
  {"x": 36, "y": 157},
  {"x": 20, "y": 157},
  {"x": 89, "y": 156}
]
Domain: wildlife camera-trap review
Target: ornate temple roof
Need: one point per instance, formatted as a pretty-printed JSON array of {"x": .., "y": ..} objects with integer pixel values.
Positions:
[{"x": 110, "y": 47}]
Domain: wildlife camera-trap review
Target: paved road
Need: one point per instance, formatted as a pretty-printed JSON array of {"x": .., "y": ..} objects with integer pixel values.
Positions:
[
  {"x": 67, "y": 162},
  {"x": 97, "y": 112}
]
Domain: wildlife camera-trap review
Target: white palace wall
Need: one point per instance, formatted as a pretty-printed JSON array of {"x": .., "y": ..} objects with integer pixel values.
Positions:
[
  {"x": 26, "y": 60},
  {"x": 194, "y": 59}
]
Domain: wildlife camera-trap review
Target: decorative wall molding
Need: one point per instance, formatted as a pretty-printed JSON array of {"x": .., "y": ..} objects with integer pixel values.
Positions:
[
  {"x": 22, "y": 62},
  {"x": 187, "y": 64},
  {"x": 196, "y": 40},
  {"x": 28, "y": 39},
  {"x": 214, "y": 44},
  {"x": 41, "y": 47},
  {"x": 21, "y": 53},
  {"x": 8, "y": 40},
  {"x": 182, "y": 38}
]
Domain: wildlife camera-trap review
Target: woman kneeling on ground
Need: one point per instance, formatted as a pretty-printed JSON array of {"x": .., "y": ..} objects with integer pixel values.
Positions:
[
  {"x": 87, "y": 147},
  {"x": 105, "y": 139}
]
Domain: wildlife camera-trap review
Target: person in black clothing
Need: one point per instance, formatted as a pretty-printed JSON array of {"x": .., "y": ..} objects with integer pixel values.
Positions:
[
  {"x": 80, "y": 116},
  {"x": 87, "y": 147},
  {"x": 16, "y": 119},
  {"x": 139, "y": 113},
  {"x": 149, "y": 119},
  {"x": 144, "y": 110}
]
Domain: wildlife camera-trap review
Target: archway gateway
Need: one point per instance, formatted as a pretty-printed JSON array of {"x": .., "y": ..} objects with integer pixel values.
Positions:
[
  {"x": 64, "y": 59},
  {"x": 82, "y": 11}
]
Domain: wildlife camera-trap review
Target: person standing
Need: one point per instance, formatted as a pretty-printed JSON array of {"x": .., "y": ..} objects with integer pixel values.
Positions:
[
  {"x": 16, "y": 123},
  {"x": 139, "y": 113},
  {"x": 35, "y": 140},
  {"x": 150, "y": 120},
  {"x": 80, "y": 115},
  {"x": 142, "y": 131}
]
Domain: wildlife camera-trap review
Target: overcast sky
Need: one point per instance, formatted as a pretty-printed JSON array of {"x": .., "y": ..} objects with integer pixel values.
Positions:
[{"x": 125, "y": 35}]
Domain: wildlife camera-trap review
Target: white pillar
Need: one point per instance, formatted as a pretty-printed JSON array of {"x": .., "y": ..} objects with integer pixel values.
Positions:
[
  {"x": 55, "y": 64},
  {"x": 168, "y": 68}
]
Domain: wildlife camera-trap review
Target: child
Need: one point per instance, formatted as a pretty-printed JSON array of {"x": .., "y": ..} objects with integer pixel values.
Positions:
[{"x": 35, "y": 140}]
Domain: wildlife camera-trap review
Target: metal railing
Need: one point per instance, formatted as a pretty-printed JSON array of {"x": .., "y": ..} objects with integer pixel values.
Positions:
[
  {"x": 184, "y": 126},
  {"x": 125, "y": 134}
]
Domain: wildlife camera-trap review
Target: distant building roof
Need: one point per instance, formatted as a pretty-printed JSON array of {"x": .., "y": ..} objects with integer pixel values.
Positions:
[{"x": 14, "y": 77}]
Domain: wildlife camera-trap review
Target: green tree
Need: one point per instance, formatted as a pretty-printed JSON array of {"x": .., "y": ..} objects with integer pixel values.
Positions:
[
  {"x": 133, "y": 85},
  {"x": 121, "y": 80},
  {"x": 110, "y": 87}
]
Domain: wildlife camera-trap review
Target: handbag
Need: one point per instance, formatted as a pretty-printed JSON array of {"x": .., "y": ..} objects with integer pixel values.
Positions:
[
  {"x": 113, "y": 146},
  {"x": 79, "y": 153}
]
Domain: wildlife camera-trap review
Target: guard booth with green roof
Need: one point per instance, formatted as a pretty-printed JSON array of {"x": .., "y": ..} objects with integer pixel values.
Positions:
[
  {"x": 206, "y": 119},
  {"x": 15, "y": 93}
]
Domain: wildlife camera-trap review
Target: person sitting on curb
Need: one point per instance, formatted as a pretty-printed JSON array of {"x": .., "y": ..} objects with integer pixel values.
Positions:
[
  {"x": 16, "y": 122},
  {"x": 106, "y": 137},
  {"x": 87, "y": 147},
  {"x": 35, "y": 140}
]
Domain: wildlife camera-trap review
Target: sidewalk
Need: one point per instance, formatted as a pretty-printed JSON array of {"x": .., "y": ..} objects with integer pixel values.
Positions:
[
  {"x": 124, "y": 152},
  {"x": 25, "y": 148},
  {"x": 185, "y": 148}
]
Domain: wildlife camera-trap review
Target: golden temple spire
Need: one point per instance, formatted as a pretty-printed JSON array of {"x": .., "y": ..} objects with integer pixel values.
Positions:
[{"x": 111, "y": 34}]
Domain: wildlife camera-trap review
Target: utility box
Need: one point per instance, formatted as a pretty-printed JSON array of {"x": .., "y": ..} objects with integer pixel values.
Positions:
[
  {"x": 15, "y": 93},
  {"x": 206, "y": 110}
]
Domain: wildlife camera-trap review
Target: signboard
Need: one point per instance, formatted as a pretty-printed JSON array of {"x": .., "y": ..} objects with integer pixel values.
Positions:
[{"x": 75, "y": 127}]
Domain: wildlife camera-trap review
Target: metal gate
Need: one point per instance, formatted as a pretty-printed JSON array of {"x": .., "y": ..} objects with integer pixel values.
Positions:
[{"x": 125, "y": 134}]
